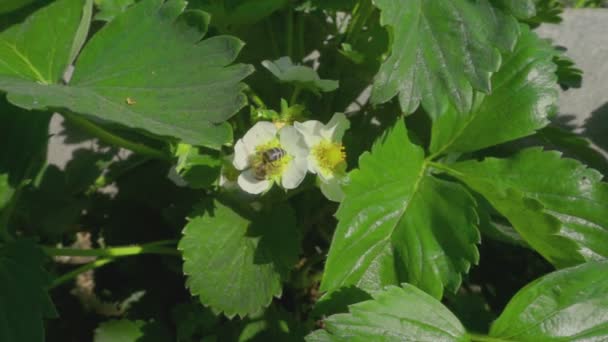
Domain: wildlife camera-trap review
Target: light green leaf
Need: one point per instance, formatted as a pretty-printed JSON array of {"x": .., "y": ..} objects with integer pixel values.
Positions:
[
  {"x": 301, "y": 76},
  {"x": 441, "y": 51},
  {"x": 172, "y": 84},
  {"x": 197, "y": 169},
  {"x": 235, "y": 264},
  {"x": 109, "y": 9},
  {"x": 395, "y": 314},
  {"x": 40, "y": 49},
  {"x": 570, "y": 198},
  {"x": 233, "y": 13},
  {"x": 122, "y": 330},
  {"x": 567, "y": 305},
  {"x": 523, "y": 96},
  {"x": 399, "y": 224},
  {"x": 23, "y": 297}
]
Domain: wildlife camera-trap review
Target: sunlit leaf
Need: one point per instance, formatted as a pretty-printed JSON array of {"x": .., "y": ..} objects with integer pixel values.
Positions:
[
  {"x": 567, "y": 305},
  {"x": 441, "y": 51},
  {"x": 399, "y": 224},
  {"x": 557, "y": 205},
  {"x": 523, "y": 96},
  {"x": 395, "y": 314}
]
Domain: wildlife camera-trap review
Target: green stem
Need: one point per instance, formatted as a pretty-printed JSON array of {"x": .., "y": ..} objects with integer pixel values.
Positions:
[
  {"x": 75, "y": 272},
  {"x": 444, "y": 168},
  {"x": 289, "y": 33},
  {"x": 113, "y": 139},
  {"x": 113, "y": 252},
  {"x": 273, "y": 40},
  {"x": 485, "y": 338},
  {"x": 294, "y": 95}
]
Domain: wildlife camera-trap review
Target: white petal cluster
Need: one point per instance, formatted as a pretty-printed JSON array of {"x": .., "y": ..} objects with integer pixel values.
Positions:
[{"x": 306, "y": 146}]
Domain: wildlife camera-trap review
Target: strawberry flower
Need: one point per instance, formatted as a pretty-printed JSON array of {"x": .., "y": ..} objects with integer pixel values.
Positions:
[{"x": 267, "y": 155}]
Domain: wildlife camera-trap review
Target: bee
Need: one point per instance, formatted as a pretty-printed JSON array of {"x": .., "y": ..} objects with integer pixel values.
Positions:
[
  {"x": 273, "y": 154},
  {"x": 266, "y": 160}
]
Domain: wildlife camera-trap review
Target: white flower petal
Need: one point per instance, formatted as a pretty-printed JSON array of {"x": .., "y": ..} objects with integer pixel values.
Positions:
[
  {"x": 294, "y": 174},
  {"x": 291, "y": 140},
  {"x": 313, "y": 165},
  {"x": 241, "y": 155},
  {"x": 335, "y": 128},
  {"x": 261, "y": 133},
  {"x": 251, "y": 184},
  {"x": 310, "y": 130},
  {"x": 332, "y": 190}
]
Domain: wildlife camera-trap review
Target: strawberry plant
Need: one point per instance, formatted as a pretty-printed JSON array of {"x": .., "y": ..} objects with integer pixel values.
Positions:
[{"x": 277, "y": 170}]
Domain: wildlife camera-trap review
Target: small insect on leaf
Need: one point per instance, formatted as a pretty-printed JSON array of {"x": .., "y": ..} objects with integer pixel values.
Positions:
[{"x": 130, "y": 101}]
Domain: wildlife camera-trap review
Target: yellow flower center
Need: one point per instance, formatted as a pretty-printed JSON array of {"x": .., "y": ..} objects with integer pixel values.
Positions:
[
  {"x": 265, "y": 169},
  {"x": 330, "y": 157}
]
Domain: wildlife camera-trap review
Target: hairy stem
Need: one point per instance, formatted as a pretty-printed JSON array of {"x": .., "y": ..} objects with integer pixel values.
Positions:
[
  {"x": 115, "y": 252},
  {"x": 75, "y": 272},
  {"x": 289, "y": 33},
  {"x": 114, "y": 139}
]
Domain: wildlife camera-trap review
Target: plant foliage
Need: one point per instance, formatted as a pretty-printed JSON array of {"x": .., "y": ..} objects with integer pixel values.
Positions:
[{"x": 281, "y": 170}]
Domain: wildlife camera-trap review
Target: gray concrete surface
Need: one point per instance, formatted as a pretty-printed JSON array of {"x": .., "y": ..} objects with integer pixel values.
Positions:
[{"x": 584, "y": 32}]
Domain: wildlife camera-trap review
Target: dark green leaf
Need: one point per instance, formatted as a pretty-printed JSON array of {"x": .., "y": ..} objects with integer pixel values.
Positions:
[
  {"x": 231, "y": 13},
  {"x": 547, "y": 11},
  {"x": 568, "y": 75},
  {"x": 567, "y": 305},
  {"x": 23, "y": 143},
  {"x": 122, "y": 330},
  {"x": 441, "y": 52},
  {"x": 172, "y": 84},
  {"x": 395, "y": 314},
  {"x": 11, "y": 5},
  {"x": 23, "y": 297},
  {"x": 198, "y": 170},
  {"x": 552, "y": 202},
  {"x": 234, "y": 264},
  {"x": 398, "y": 224},
  {"x": 522, "y": 98}
]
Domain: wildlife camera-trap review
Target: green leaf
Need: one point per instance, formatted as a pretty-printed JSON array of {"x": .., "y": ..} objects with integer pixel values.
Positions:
[
  {"x": 23, "y": 297},
  {"x": 40, "y": 49},
  {"x": 6, "y": 191},
  {"x": 547, "y": 11},
  {"x": 198, "y": 170},
  {"x": 172, "y": 84},
  {"x": 300, "y": 76},
  {"x": 395, "y": 314},
  {"x": 552, "y": 202},
  {"x": 567, "y": 305},
  {"x": 568, "y": 74},
  {"x": 521, "y": 9},
  {"x": 399, "y": 224},
  {"x": 441, "y": 52},
  {"x": 109, "y": 9},
  {"x": 235, "y": 264},
  {"x": 231, "y": 13},
  {"x": 122, "y": 330},
  {"x": 523, "y": 97}
]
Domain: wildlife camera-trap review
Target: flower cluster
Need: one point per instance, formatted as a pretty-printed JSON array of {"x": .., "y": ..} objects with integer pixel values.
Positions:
[{"x": 268, "y": 155}]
